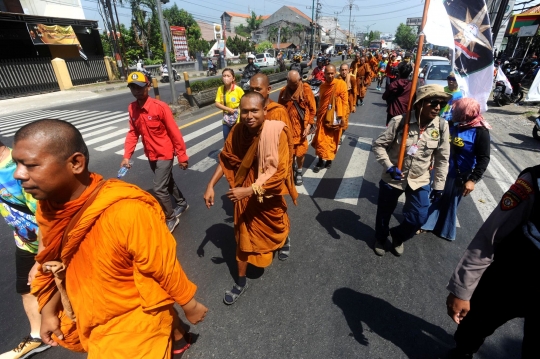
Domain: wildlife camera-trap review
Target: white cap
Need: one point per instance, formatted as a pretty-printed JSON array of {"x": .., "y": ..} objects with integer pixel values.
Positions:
[
  {"x": 398, "y": 58},
  {"x": 385, "y": 55}
]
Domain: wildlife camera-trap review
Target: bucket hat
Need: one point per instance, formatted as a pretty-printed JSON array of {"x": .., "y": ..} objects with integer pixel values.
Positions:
[{"x": 429, "y": 91}]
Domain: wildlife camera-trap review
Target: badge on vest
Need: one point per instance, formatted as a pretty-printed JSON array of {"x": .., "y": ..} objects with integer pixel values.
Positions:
[
  {"x": 458, "y": 142},
  {"x": 517, "y": 193},
  {"x": 434, "y": 134}
]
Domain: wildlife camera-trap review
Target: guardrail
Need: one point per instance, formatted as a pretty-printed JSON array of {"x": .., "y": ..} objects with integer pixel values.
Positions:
[{"x": 178, "y": 66}]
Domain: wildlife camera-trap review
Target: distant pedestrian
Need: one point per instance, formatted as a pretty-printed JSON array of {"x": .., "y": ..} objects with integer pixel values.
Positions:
[
  {"x": 18, "y": 209},
  {"x": 153, "y": 120},
  {"x": 454, "y": 90},
  {"x": 397, "y": 94},
  {"x": 495, "y": 280},
  {"x": 427, "y": 141},
  {"x": 392, "y": 72},
  {"x": 228, "y": 99},
  {"x": 469, "y": 159}
]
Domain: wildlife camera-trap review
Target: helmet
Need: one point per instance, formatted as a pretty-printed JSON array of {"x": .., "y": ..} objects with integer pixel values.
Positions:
[
  {"x": 535, "y": 63},
  {"x": 251, "y": 57},
  {"x": 320, "y": 59},
  {"x": 297, "y": 58}
]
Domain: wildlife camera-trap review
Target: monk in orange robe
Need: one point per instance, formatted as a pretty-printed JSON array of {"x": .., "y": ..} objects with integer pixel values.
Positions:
[
  {"x": 363, "y": 78},
  {"x": 349, "y": 79},
  {"x": 274, "y": 111},
  {"x": 297, "y": 97},
  {"x": 333, "y": 107},
  {"x": 374, "y": 65},
  {"x": 257, "y": 163},
  {"x": 108, "y": 275}
]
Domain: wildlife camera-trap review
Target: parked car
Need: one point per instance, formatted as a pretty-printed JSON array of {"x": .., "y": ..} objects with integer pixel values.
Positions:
[
  {"x": 426, "y": 59},
  {"x": 434, "y": 73},
  {"x": 265, "y": 59}
]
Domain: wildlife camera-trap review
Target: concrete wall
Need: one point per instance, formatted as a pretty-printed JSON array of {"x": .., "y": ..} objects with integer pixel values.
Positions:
[{"x": 59, "y": 8}]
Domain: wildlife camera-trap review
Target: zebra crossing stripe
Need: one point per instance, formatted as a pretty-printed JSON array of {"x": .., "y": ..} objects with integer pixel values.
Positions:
[
  {"x": 121, "y": 152},
  {"x": 483, "y": 200},
  {"x": 202, "y": 131},
  {"x": 97, "y": 132},
  {"x": 191, "y": 151},
  {"x": 107, "y": 136},
  {"x": 29, "y": 116},
  {"x": 14, "y": 126},
  {"x": 82, "y": 129},
  {"x": 115, "y": 143},
  {"x": 501, "y": 175},
  {"x": 207, "y": 163},
  {"x": 351, "y": 184},
  {"x": 366, "y": 125},
  {"x": 77, "y": 114}
]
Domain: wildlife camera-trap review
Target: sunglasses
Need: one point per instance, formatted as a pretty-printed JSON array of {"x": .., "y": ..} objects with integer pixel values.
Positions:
[
  {"x": 434, "y": 103},
  {"x": 451, "y": 79}
]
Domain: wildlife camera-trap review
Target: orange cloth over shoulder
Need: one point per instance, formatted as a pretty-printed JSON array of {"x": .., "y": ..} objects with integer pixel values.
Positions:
[
  {"x": 306, "y": 101},
  {"x": 363, "y": 79},
  {"x": 260, "y": 228},
  {"x": 275, "y": 111},
  {"x": 122, "y": 274},
  {"x": 326, "y": 139}
]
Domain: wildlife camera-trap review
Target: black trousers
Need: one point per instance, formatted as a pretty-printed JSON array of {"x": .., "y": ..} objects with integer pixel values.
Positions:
[{"x": 508, "y": 289}]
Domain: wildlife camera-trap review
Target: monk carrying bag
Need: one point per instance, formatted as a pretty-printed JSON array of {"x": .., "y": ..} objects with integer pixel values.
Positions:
[{"x": 331, "y": 116}]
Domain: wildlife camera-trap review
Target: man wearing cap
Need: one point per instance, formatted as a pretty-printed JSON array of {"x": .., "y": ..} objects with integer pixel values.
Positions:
[
  {"x": 454, "y": 90},
  {"x": 153, "y": 120},
  {"x": 427, "y": 141}
]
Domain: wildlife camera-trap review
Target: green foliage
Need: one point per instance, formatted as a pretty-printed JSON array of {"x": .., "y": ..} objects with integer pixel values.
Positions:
[
  {"x": 180, "y": 17},
  {"x": 238, "y": 46},
  {"x": 242, "y": 30},
  {"x": 199, "y": 45},
  {"x": 202, "y": 85},
  {"x": 405, "y": 36},
  {"x": 374, "y": 35},
  {"x": 254, "y": 22},
  {"x": 263, "y": 46}
]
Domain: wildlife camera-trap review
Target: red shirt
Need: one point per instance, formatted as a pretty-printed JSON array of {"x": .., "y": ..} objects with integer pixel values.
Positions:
[
  {"x": 161, "y": 136},
  {"x": 318, "y": 74}
]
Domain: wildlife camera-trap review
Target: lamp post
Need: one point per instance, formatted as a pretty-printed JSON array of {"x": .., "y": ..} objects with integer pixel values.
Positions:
[
  {"x": 350, "y": 6},
  {"x": 312, "y": 29}
]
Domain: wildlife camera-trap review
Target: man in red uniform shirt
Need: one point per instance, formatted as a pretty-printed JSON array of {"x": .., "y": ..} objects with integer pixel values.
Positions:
[
  {"x": 162, "y": 141},
  {"x": 318, "y": 72}
]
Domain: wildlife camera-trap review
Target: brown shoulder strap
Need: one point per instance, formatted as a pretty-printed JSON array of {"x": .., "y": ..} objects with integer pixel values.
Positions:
[{"x": 79, "y": 214}]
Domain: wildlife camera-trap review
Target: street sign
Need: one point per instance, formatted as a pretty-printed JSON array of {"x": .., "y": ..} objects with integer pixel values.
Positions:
[
  {"x": 527, "y": 31},
  {"x": 414, "y": 21}
]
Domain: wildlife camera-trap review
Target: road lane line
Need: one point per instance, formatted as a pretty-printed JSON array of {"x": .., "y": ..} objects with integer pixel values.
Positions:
[
  {"x": 78, "y": 114},
  {"x": 483, "y": 200},
  {"x": 83, "y": 129},
  {"x": 97, "y": 132},
  {"x": 191, "y": 151},
  {"x": 352, "y": 180},
  {"x": 11, "y": 127},
  {"x": 501, "y": 175},
  {"x": 107, "y": 136},
  {"x": 206, "y": 163},
  {"x": 121, "y": 152},
  {"x": 311, "y": 179},
  {"x": 366, "y": 125},
  {"x": 22, "y": 116},
  {"x": 202, "y": 131}
]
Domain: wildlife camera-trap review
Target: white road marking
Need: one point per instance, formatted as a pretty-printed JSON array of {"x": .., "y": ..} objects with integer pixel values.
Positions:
[
  {"x": 202, "y": 131},
  {"x": 501, "y": 175},
  {"x": 206, "y": 163},
  {"x": 483, "y": 200},
  {"x": 191, "y": 151},
  {"x": 97, "y": 132},
  {"x": 366, "y": 125},
  {"x": 107, "y": 136},
  {"x": 121, "y": 152},
  {"x": 351, "y": 184}
]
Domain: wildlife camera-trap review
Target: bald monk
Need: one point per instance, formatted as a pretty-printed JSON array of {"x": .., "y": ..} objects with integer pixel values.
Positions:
[
  {"x": 350, "y": 80},
  {"x": 297, "y": 97},
  {"x": 363, "y": 80},
  {"x": 274, "y": 111},
  {"x": 333, "y": 108},
  {"x": 374, "y": 65},
  {"x": 256, "y": 161},
  {"x": 108, "y": 274}
]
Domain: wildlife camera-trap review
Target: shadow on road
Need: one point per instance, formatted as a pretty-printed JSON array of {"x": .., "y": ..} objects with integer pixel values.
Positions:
[
  {"x": 414, "y": 336},
  {"x": 347, "y": 222}
]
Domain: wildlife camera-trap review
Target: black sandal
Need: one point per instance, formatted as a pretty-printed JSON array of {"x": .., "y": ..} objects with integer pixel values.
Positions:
[
  {"x": 231, "y": 296},
  {"x": 285, "y": 251},
  {"x": 298, "y": 179}
]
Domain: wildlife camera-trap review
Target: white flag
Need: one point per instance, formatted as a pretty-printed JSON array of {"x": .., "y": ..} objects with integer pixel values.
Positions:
[{"x": 502, "y": 77}]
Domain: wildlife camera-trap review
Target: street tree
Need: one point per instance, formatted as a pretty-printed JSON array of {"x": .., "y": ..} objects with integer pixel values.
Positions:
[
  {"x": 405, "y": 36},
  {"x": 242, "y": 30},
  {"x": 263, "y": 46},
  {"x": 254, "y": 22}
]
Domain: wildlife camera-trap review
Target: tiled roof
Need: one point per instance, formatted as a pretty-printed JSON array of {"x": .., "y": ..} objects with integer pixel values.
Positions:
[
  {"x": 282, "y": 45},
  {"x": 300, "y": 13},
  {"x": 246, "y": 16},
  {"x": 534, "y": 10}
]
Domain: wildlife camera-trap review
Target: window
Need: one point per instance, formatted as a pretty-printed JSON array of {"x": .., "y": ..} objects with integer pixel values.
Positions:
[{"x": 439, "y": 72}]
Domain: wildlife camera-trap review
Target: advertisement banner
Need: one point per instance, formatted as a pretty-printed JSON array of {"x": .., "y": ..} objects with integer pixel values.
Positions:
[
  {"x": 52, "y": 35},
  {"x": 180, "y": 44}
]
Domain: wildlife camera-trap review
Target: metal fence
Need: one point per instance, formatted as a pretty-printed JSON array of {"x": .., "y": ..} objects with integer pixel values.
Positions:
[
  {"x": 19, "y": 77},
  {"x": 84, "y": 72}
]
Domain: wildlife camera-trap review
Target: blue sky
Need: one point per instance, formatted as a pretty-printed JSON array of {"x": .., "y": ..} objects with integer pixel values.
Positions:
[{"x": 383, "y": 16}]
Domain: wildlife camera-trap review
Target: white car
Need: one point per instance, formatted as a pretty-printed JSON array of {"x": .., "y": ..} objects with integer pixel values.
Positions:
[{"x": 265, "y": 59}]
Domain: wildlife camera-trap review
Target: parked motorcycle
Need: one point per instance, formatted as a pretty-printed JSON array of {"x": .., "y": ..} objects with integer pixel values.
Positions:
[
  {"x": 165, "y": 75},
  {"x": 500, "y": 97},
  {"x": 212, "y": 71},
  {"x": 536, "y": 128}
]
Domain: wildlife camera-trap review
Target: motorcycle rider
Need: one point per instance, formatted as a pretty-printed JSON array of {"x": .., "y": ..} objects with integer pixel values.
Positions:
[
  {"x": 298, "y": 65},
  {"x": 211, "y": 66},
  {"x": 318, "y": 72},
  {"x": 250, "y": 70}
]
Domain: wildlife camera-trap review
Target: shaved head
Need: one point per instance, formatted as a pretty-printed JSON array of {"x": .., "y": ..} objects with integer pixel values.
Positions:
[
  {"x": 293, "y": 75},
  {"x": 342, "y": 65},
  {"x": 258, "y": 98},
  {"x": 260, "y": 79},
  {"x": 332, "y": 67},
  {"x": 61, "y": 138}
]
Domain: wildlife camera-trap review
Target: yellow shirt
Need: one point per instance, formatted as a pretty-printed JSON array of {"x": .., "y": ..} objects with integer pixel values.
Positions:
[{"x": 233, "y": 96}]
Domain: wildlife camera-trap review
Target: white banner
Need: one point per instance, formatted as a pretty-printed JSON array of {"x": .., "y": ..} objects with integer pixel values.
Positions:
[
  {"x": 534, "y": 92},
  {"x": 502, "y": 77}
]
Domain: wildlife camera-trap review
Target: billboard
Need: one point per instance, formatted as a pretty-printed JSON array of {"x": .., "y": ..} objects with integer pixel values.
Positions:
[
  {"x": 180, "y": 45},
  {"x": 526, "y": 31},
  {"x": 54, "y": 35},
  {"x": 414, "y": 21}
]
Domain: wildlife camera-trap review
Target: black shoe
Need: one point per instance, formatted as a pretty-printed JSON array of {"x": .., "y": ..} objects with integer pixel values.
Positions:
[
  {"x": 318, "y": 166},
  {"x": 180, "y": 209},
  {"x": 361, "y": 103},
  {"x": 328, "y": 164}
]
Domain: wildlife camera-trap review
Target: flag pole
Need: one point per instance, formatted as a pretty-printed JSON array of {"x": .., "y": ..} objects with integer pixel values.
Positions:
[{"x": 413, "y": 87}]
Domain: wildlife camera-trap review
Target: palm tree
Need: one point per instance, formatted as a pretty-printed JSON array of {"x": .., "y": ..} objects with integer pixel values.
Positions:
[
  {"x": 298, "y": 30},
  {"x": 272, "y": 33},
  {"x": 286, "y": 34}
]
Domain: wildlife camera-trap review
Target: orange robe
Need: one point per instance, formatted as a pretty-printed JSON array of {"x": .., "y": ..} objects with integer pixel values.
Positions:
[
  {"x": 308, "y": 105},
  {"x": 351, "y": 96},
  {"x": 122, "y": 275},
  {"x": 275, "y": 111},
  {"x": 374, "y": 64},
  {"x": 260, "y": 227},
  {"x": 363, "y": 76},
  {"x": 327, "y": 136}
]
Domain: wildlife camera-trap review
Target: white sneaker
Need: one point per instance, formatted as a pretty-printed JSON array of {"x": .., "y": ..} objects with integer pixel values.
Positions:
[{"x": 28, "y": 347}]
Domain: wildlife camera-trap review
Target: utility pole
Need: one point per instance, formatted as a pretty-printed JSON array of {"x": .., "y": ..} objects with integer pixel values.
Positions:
[
  {"x": 109, "y": 19},
  {"x": 120, "y": 32},
  {"x": 499, "y": 19},
  {"x": 350, "y": 6},
  {"x": 317, "y": 12},
  {"x": 335, "y": 30},
  {"x": 312, "y": 29},
  {"x": 167, "y": 53},
  {"x": 367, "y": 31}
]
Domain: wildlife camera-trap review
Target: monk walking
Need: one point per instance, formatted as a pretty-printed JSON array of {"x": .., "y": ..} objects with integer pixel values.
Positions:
[
  {"x": 274, "y": 111},
  {"x": 333, "y": 107},
  {"x": 108, "y": 274},
  {"x": 299, "y": 101},
  {"x": 363, "y": 78},
  {"x": 257, "y": 163},
  {"x": 350, "y": 80}
]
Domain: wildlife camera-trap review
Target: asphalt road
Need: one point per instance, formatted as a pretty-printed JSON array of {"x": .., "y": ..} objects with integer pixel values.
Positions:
[{"x": 334, "y": 298}]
